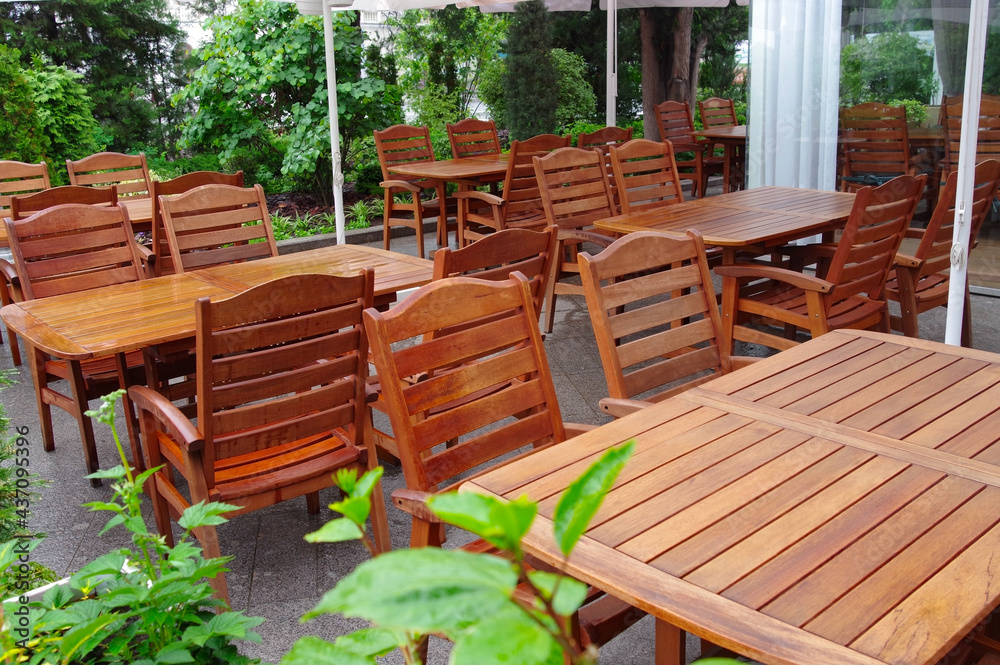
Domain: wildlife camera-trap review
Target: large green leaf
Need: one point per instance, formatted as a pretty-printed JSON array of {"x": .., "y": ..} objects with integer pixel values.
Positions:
[
  {"x": 584, "y": 496},
  {"x": 336, "y": 531},
  {"x": 355, "y": 508},
  {"x": 509, "y": 638},
  {"x": 500, "y": 523},
  {"x": 423, "y": 590},
  {"x": 205, "y": 514},
  {"x": 569, "y": 593},
  {"x": 310, "y": 650},
  {"x": 368, "y": 641}
]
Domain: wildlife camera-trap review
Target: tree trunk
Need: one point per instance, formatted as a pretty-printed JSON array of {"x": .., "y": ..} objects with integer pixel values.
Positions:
[
  {"x": 696, "y": 54},
  {"x": 653, "y": 90},
  {"x": 679, "y": 85}
]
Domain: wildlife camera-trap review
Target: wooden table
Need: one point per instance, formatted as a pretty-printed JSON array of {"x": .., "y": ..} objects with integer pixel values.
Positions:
[
  {"x": 126, "y": 317},
  {"x": 140, "y": 213},
  {"x": 757, "y": 218},
  {"x": 834, "y": 504},
  {"x": 732, "y": 138},
  {"x": 467, "y": 172}
]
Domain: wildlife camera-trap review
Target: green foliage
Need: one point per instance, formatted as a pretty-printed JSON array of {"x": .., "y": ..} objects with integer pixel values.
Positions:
[
  {"x": 20, "y": 125},
  {"x": 261, "y": 94},
  {"x": 445, "y": 50},
  {"x": 469, "y": 598},
  {"x": 360, "y": 215},
  {"x": 530, "y": 83},
  {"x": 723, "y": 29},
  {"x": 890, "y": 65},
  {"x": 576, "y": 99},
  {"x": 162, "y": 167},
  {"x": 916, "y": 112},
  {"x": 18, "y": 576},
  {"x": 129, "y": 54},
  {"x": 148, "y": 603},
  {"x": 66, "y": 115}
]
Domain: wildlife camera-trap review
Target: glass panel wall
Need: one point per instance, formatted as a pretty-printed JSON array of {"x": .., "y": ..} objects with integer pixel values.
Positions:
[{"x": 913, "y": 53}]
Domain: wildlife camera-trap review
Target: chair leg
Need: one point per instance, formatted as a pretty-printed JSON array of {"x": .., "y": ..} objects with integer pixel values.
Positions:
[
  {"x": 312, "y": 503},
  {"x": 386, "y": 230},
  {"x": 209, "y": 539},
  {"x": 380, "y": 521},
  {"x": 550, "y": 288},
  {"x": 40, "y": 378},
  {"x": 15, "y": 351},
  {"x": 80, "y": 406},
  {"x": 967, "y": 320}
]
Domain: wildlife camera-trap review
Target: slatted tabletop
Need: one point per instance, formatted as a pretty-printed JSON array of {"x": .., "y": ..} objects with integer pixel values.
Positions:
[
  {"x": 126, "y": 317},
  {"x": 466, "y": 172},
  {"x": 760, "y": 217},
  {"x": 785, "y": 512}
]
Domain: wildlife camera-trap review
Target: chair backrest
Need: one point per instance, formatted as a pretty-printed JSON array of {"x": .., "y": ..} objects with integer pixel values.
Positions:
[
  {"x": 473, "y": 138},
  {"x": 164, "y": 264},
  {"x": 72, "y": 248},
  {"x": 868, "y": 246},
  {"x": 25, "y": 205},
  {"x": 493, "y": 257},
  {"x": 489, "y": 381},
  {"x": 128, "y": 172},
  {"x": 574, "y": 187},
  {"x": 282, "y": 362},
  {"x": 652, "y": 306},
  {"x": 675, "y": 123},
  {"x": 20, "y": 178},
  {"x": 875, "y": 139},
  {"x": 935, "y": 243},
  {"x": 522, "y": 198},
  {"x": 215, "y": 224},
  {"x": 402, "y": 143},
  {"x": 947, "y": 100},
  {"x": 987, "y": 139},
  {"x": 717, "y": 112},
  {"x": 646, "y": 174},
  {"x": 602, "y": 140}
]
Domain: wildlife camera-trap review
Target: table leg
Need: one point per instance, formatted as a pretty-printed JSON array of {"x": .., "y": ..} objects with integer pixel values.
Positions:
[
  {"x": 727, "y": 158},
  {"x": 670, "y": 644}
]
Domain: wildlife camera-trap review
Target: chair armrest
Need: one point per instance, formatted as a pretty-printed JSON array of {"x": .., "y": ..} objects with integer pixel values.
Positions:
[
  {"x": 576, "y": 429},
  {"x": 618, "y": 408},
  {"x": 414, "y": 502},
  {"x": 907, "y": 261},
  {"x": 187, "y": 435},
  {"x": 8, "y": 272},
  {"x": 796, "y": 279},
  {"x": 810, "y": 251},
  {"x": 485, "y": 197},
  {"x": 739, "y": 362},
  {"x": 148, "y": 258},
  {"x": 400, "y": 184}
]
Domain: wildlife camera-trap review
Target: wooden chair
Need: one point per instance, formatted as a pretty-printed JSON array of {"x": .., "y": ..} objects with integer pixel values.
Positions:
[
  {"x": 20, "y": 178},
  {"x": 493, "y": 258},
  {"x": 718, "y": 112},
  {"x": 16, "y": 178},
  {"x": 473, "y": 138},
  {"x": 281, "y": 404},
  {"x": 489, "y": 388},
  {"x": 520, "y": 204},
  {"x": 396, "y": 145},
  {"x": 921, "y": 282},
  {"x": 950, "y": 100},
  {"x": 848, "y": 294},
  {"x": 987, "y": 139},
  {"x": 603, "y": 139},
  {"x": 162, "y": 262},
  {"x": 128, "y": 172},
  {"x": 25, "y": 205},
  {"x": 68, "y": 249},
  {"x": 677, "y": 126},
  {"x": 212, "y": 225},
  {"x": 876, "y": 148},
  {"x": 653, "y": 309},
  {"x": 646, "y": 174},
  {"x": 575, "y": 193}
]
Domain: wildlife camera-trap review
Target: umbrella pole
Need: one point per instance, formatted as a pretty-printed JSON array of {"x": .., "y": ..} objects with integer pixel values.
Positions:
[
  {"x": 611, "y": 88},
  {"x": 976, "y": 54},
  {"x": 331, "y": 84}
]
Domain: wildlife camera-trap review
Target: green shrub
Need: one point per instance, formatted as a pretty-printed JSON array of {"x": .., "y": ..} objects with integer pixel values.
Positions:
[
  {"x": 916, "y": 112},
  {"x": 889, "y": 65},
  {"x": 165, "y": 168},
  {"x": 20, "y": 125}
]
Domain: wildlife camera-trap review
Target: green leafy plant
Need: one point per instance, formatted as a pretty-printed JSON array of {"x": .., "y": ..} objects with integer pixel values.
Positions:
[
  {"x": 146, "y": 604},
  {"x": 468, "y": 598},
  {"x": 889, "y": 65},
  {"x": 916, "y": 112},
  {"x": 359, "y": 215}
]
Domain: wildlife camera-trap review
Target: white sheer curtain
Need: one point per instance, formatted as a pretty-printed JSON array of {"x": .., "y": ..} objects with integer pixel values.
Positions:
[{"x": 794, "y": 91}]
